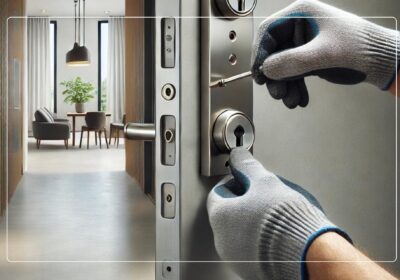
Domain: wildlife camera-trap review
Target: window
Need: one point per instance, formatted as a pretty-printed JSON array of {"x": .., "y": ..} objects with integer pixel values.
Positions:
[
  {"x": 102, "y": 78},
  {"x": 53, "y": 61}
]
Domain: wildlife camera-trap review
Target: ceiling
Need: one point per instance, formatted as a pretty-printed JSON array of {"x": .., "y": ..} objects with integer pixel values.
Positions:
[{"x": 98, "y": 8}]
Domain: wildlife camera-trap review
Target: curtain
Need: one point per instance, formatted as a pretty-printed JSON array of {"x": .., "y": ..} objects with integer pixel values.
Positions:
[
  {"x": 39, "y": 81},
  {"x": 116, "y": 68}
]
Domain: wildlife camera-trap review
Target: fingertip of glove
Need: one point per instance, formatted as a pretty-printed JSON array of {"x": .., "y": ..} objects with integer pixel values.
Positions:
[
  {"x": 304, "y": 93},
  {"x": 239, "y": 154},
  {"x": 277, "y": 89},
  {"x": 293, "y": 98},
  {"x": 258, "y": 60},
  {"x": 258, "y": 76}
]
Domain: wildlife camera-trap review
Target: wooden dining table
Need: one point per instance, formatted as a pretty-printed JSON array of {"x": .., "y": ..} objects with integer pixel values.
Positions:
[{"x": 74, "y": 115}]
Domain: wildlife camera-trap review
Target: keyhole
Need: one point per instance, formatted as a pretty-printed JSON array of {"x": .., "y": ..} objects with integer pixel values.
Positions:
[
  {"x": 241, "y": 5},
  {"x": 239, "y": 132}
]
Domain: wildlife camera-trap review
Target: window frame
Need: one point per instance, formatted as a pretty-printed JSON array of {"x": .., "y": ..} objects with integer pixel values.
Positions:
[
  {"x": 54, "y": 23},
  {"x": 100, "y": 22}
]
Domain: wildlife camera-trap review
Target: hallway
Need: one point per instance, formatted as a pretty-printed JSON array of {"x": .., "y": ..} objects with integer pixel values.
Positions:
[{"x": 79, "y": 211}]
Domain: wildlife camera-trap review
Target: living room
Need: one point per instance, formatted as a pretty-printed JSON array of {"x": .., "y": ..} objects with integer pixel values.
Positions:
[
  {"x": 73, "y": 191},
  {"x": 74, "y": 66}
]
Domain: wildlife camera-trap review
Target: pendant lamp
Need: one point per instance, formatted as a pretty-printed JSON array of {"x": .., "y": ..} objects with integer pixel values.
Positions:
[{"x": 79, "y": 55}]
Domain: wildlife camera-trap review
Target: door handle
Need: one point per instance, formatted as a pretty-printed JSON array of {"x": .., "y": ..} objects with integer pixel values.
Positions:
[
  {"x": 147, "y": 132},
  {"x": 140, "y": 131}
]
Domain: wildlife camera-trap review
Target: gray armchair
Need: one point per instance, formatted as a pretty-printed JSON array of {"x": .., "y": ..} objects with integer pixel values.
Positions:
[
  {"x": 45, "y": 127},
  {"x": 54, "y": 116}
]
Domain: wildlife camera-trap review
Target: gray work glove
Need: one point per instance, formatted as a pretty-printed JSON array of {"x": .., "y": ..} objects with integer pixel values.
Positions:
[
  {"x": 343, "y": 49},
  {"x": 259, "y": 217}
]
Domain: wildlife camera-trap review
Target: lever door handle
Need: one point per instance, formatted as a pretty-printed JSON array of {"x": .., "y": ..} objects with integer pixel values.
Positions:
[{"x": 140, "y": 131}]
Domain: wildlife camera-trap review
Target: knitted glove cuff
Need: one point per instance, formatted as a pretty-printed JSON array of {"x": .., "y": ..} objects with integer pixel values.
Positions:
[
  {"x": 381, "y": 50},
  {"x": 287, "y": 231}
]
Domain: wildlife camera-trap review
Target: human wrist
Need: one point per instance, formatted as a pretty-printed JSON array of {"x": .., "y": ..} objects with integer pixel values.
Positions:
[
  {"x": 332, "y": 257},
  {"x": 323, "y": 247},
  {"x": 326, "y": 252}
]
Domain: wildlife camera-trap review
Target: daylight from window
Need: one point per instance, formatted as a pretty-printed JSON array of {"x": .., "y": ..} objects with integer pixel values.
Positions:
[
  {"x": 103, "y": 65},
  {"x": 52, "y": 63}
]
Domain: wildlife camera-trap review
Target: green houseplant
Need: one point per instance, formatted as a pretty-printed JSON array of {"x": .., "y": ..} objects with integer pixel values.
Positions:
[{"x": 77, "y": 92}]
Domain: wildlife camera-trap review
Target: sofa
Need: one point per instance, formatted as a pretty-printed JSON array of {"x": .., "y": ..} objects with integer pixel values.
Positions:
[{"x": 47, "y": 126}]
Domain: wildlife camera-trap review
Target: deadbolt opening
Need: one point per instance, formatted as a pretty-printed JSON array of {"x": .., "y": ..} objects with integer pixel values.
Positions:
[
  {"x": 169, "y": 269},
  {"x": 169, "y": 135},
  {"x": 169, "y": 198}
]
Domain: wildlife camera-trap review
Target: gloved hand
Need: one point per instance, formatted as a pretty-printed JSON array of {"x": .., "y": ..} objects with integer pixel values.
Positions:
[
  {"x": 258, "y": 217},
  {"x": 344, "y": 49}
]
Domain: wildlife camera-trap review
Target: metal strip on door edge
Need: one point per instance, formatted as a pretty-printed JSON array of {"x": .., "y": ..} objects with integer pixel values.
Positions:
[{"x": 167, "y": 230}]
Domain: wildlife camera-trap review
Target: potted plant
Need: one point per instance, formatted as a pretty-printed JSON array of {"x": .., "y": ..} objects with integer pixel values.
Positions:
[{"x": 77, "y": 92}]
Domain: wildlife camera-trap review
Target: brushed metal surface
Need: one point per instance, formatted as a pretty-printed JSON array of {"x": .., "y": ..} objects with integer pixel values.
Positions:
[
  {"x": 167, "y": 230},
  {"x": 216, "y": 47},
  {"x": 140, "y": 131},
  {"x": 196, "y": 237}
]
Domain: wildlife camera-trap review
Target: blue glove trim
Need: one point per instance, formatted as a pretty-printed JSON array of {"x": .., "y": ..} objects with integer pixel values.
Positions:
[
  {"x": 303, "y": 192},
  {"x": 306, "y": 16},
  {"x": 310, "y": 240},
  {"x": 234, "y": 187},
  {"x": 223, "y": 192},
  {"x": 241, "y": 178}
]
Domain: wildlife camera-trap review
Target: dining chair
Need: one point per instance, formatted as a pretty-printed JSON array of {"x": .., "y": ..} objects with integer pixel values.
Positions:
[
  {"x": 95, "y": 121},
  {"x": 116, "y": 128}
]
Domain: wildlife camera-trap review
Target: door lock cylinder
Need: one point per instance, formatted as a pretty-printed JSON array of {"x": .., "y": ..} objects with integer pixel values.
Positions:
[
  {"x": 233, "y": 129},
  {"x": 236, "y": 8}
]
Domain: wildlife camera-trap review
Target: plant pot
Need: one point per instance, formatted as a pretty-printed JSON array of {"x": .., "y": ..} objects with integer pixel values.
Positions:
[{"x": 80, "y": 107}]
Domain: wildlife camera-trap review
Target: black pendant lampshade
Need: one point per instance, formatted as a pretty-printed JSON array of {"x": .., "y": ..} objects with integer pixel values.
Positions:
[{"x": 79, "y": 55}]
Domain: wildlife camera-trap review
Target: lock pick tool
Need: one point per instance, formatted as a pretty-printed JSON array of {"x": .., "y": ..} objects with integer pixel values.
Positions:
[{"x": 223, "y": 82}]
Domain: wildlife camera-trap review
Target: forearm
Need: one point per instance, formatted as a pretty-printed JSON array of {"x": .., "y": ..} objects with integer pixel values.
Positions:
[
  {"x": 393, "y": 88},
  {"x": 331, "y": 257}
]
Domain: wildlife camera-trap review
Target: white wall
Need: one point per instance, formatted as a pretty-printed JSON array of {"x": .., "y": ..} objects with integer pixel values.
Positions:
[{"x": 65, "y": 40}]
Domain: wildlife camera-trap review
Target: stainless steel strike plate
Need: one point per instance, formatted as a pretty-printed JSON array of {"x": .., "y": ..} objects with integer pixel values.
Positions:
[{"x": 226, "y": 45}]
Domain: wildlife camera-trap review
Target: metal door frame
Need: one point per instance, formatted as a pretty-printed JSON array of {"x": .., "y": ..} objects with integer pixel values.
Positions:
[{"x": 167, "y": 230}]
